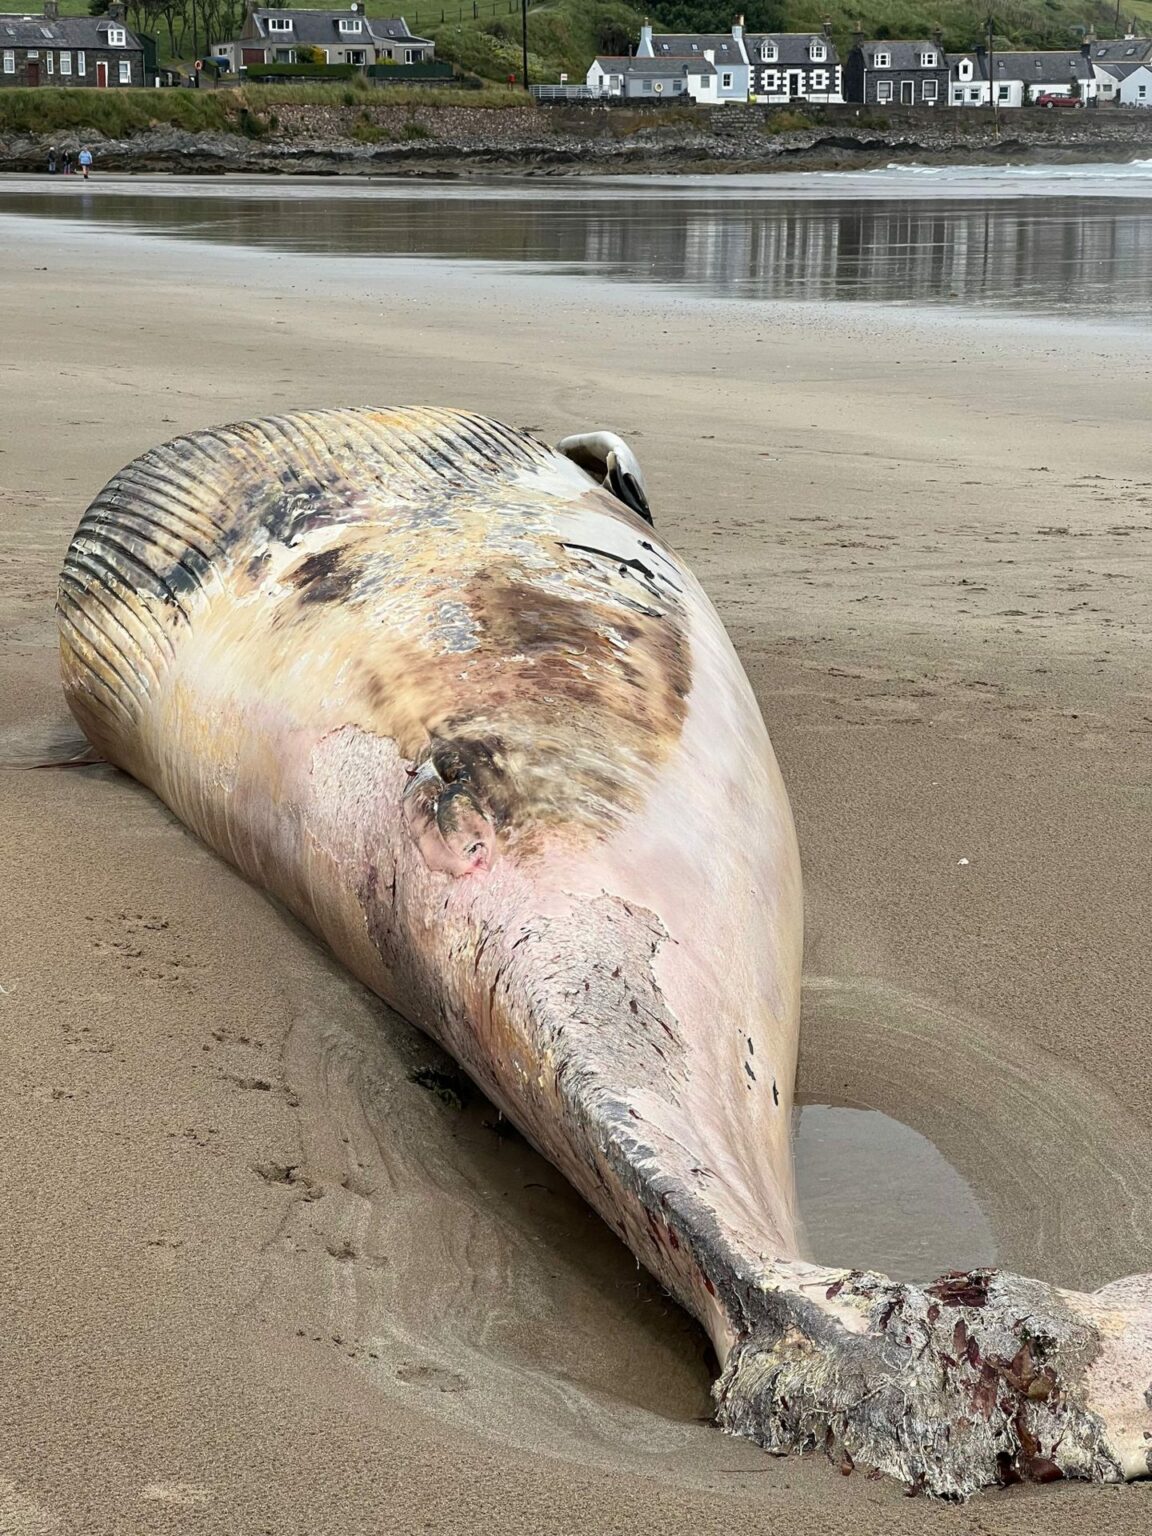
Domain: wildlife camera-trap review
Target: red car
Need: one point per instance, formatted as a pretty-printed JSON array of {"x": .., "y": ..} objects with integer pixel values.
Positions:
[{"x": 1056, "y": 99}]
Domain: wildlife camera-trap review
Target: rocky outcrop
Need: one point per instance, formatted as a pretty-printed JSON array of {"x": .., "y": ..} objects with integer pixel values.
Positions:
[{"x": 393, "y": 139}]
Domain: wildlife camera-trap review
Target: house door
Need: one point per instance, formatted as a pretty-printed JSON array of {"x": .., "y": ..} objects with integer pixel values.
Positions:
[
  {"x": 907, "y": 92},
  {"x": 795, "y": 83},
  {"x": 33, "y": 72},
  {"x": 102, "y": 74}
]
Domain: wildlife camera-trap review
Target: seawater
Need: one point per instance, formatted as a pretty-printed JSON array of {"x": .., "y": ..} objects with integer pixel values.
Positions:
[{"x": 1046, "y": 240}]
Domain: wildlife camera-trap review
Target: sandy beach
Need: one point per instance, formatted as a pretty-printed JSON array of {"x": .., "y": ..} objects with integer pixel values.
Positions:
[{"x": 257, "y": 1279}]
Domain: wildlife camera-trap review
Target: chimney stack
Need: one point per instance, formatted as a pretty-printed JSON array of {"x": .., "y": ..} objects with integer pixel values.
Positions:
[{"x": 51, "y": 10}]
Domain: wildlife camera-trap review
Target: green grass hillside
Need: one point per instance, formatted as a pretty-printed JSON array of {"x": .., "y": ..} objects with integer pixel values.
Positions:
[
  {"x": 483, "y": 36},
  {"x": 565, "y": 35}
]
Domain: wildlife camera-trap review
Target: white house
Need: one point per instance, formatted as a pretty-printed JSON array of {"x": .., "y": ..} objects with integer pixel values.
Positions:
[
  {"x": 1136, "y": 88},
  {"x": 645, "y": 79},
  {"x": 1019, "y": 78},
  {"x": 723, "y": 49}
]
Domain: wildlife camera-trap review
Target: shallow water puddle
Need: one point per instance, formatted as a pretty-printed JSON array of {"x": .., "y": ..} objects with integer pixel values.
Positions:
[{"x": 875, "y": 1194}]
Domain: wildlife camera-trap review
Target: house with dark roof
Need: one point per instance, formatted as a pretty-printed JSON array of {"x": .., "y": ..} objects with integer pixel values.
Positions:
[
  {"x": 641, "y": 79},
  {"x": 272, "y": 35},
  {"x": 896, "y": 73},
  {"x": 1019, "y": 78},
  {"x": 723, "y": 49},
  {"x": 1135, "y": 89},
  {"x": 51, "y": 49},
  {"x": 1115, "y": 60},
  {"x": 786, "y": 66}
]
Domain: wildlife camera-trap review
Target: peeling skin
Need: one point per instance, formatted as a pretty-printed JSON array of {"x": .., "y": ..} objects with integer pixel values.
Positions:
[{"x": 434, "y": 687}]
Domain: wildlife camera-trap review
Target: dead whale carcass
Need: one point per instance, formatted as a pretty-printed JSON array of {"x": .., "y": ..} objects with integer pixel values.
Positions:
[{"x": 447, "y": 694}]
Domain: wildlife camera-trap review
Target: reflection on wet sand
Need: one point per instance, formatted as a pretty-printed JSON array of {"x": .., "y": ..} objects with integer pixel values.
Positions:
[{"x": 1084, "y": 254}]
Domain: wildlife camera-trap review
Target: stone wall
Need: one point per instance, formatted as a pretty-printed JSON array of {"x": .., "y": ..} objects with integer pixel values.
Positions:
[{"x": 382, "y": 138}]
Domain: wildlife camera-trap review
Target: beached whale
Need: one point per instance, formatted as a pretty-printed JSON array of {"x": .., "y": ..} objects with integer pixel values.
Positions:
[{"x": 447, "y": 694}]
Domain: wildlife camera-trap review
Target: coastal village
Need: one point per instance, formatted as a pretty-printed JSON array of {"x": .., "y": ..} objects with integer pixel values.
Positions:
[
  {"x": 709, "y": 69},
  {"x": 780, "y": 68}
]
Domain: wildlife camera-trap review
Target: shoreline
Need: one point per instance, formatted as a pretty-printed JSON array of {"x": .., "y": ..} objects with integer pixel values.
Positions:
[{"x": 414, "y": 139}]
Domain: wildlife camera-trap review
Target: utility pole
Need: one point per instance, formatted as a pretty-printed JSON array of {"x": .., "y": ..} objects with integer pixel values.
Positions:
[
  {"x": 524, "y": 38},
  {"x": 993, "y": 93}
]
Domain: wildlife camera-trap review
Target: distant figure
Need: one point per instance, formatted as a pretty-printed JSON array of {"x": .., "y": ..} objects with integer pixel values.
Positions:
[
  {"x": 52, "y": 161},
  {"x": 67, "y": 162},
  {"x": 85, "y": 160}
]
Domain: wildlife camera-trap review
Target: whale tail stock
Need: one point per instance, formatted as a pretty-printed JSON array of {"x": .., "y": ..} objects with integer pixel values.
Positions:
[{"x": 976, "y": 1379}]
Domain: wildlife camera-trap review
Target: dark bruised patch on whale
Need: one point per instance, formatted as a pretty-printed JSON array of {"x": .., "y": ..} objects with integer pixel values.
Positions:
[
  {"x": 326, "y": 577},
  {"x": 476, "y": 762}
]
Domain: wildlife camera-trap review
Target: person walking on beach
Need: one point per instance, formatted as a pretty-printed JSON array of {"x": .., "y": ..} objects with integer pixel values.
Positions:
[
  {"x": 85, "y": 161},
  {"x": 52, "y": 161},
  {"x": 67, "y": 163}
]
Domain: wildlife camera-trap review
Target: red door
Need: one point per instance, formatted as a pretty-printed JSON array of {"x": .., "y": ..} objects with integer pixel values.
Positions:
[
  {"x": 33, "y": 72},
  {"x": 102, "y": 74}
]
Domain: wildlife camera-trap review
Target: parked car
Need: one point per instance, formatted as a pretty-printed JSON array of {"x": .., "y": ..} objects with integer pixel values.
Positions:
[{"x": 1057, "y": 99}]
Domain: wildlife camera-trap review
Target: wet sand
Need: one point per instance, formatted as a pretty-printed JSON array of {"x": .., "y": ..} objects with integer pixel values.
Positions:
[{"x": 259, "y": 1279}]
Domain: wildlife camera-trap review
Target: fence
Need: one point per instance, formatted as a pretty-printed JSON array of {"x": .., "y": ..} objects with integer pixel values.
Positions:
[
  {"x": 460, "y": 10},
  {"x": 563, "y": 92}
]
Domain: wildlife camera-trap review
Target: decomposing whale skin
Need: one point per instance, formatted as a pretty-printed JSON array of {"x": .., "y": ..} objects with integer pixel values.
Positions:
[{"x": 461, "y": 709}]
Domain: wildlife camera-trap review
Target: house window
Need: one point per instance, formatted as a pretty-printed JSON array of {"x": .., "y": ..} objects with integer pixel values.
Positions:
[
  {"x": 65, "y": 62},
  {"x": 125, "y": 71},
  {"x": 9, "y": 61},
  {"x": 355, "y": 55},
  {"x": 767, "y": 53},
  {"x": 50, "y": 59},
  {"x": 279, "y": 23},
  {"x": 929, "y": 90},
  {"x": 285, "y": 56},
  {"x": 116, "y": 37},
  {"x": 1003, "y": 93},
  {"x": 964, "y": 69},
  {"x": 81, "y": 62},
  {"x": 974, "y": 95},
  {"x": 883, "y": 90},
  {"x": 882, "y": 61},
  {"x": 646, "y": 85},
  {"x": 770, "y": 80},
  {"x": 1141, "y": 91},
  {"x": 726, "y": 81},
  {"x": 407, "y": 55},
  {"x": 677, "y": 85},
  {"x": 818, "y": 53},
  {"x": 957, "y": 96},
  {"x": 928, "y": 61},
  {"x": 819, "y": 79},
  {"x": 350, "y": 26}
]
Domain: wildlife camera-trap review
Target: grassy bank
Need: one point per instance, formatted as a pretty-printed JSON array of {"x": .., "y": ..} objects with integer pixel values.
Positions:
[{"x": 249, "y": 110}]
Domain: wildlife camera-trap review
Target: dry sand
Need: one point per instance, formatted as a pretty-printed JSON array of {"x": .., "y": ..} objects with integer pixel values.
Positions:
[{"x": 253, "y": 1278}]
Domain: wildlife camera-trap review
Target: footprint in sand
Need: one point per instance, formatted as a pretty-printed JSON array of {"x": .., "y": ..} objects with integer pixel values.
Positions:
[
  {"x": 176, "y": 1495},
  {"x": 21, "y": 1515},
  {"x": 431, "y": 1376}
]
